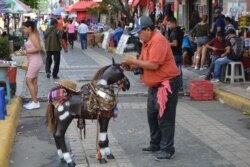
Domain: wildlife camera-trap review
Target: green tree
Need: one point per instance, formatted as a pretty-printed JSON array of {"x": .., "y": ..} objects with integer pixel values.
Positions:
[
  {"x": 121, "y": 5},
  {"x": 32, "y": 3}
]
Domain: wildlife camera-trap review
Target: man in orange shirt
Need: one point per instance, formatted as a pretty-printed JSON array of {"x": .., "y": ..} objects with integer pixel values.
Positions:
[{"x": 160, "y": 73}]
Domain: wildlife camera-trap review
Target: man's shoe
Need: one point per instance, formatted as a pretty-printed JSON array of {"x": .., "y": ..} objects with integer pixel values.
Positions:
[
  {"x": 163, "y": 155},
  {"x": 56, "y": 77},
  {"x": 32, "y": 105},
  {"x": 150, "y": 149},
  {"x": 48, "y": 75}
]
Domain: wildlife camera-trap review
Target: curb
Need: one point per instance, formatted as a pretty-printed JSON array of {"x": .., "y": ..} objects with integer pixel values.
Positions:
[
  {"x": 8, "y": 130},
  {"x": 233, "y": 100}
]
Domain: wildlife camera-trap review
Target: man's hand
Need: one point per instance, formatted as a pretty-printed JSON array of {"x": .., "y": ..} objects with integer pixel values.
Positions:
[
  {"x": 130, "y": 60},
  {"x": 127, "y": 67}
]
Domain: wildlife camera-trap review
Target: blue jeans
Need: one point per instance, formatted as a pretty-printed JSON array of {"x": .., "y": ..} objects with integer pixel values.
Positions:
[
  {"x": 218, "y": 64},
  {"x": 178, "y": 61},
  {"x": 83, "y": 40},
  {"x": 211, "y": 67},
  {"x": 162, "y": 129}
]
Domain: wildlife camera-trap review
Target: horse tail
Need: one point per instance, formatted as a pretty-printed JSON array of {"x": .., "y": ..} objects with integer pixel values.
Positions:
[{"x": 51, "y": 118}]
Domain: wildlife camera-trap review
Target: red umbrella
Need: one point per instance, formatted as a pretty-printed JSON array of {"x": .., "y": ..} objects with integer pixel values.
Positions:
[
  {"x": 81, "y": 6},
  {"x": 68, "y": 8}
]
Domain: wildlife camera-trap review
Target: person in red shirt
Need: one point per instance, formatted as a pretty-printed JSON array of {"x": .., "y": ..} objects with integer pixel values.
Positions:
[
  {"x": 217, "y": 45},
  {"x": 160, "y": 73},
  {"x": 59, "y": 24}
]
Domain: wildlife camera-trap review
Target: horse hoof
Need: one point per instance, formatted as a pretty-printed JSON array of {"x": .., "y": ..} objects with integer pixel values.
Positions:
[
  {"x": 110, "y": 156},
  {"x": 103, "y": 161},
  {"x": 72, "y": 164}
]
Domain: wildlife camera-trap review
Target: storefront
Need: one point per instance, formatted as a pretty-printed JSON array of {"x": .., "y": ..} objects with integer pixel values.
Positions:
[
  {"x": 202, "y": 7},
  {"x": 232, "y": 7}
]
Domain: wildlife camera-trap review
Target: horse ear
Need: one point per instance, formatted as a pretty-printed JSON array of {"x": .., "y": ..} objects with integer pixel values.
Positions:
[{"x": 113, "y": 61}]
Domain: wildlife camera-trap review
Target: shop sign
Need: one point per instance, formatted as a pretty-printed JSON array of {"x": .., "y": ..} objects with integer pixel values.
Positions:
[
  {"x": 122, "y": 44},
  {"x": 106, "y": 38}
]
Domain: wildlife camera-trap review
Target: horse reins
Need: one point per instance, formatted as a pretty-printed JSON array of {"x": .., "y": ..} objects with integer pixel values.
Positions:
[{"x": 93, "y": 89}]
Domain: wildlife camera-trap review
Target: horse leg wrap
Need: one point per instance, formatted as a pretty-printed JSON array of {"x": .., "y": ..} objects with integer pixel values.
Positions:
[
  {"x": 108, "y": 151},
  {"x": 60, "y": 153},
  {"x": 107, "y": 148},
  {"x": 67, "y": 157},
  {"x": 102, "y": 143}
]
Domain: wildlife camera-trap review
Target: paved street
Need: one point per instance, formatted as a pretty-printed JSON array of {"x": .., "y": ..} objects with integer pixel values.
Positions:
[{"x": 208, "y": 134}]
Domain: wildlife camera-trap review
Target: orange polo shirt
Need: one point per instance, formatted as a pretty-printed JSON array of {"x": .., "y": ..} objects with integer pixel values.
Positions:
[{"x": 158, "y": 51}]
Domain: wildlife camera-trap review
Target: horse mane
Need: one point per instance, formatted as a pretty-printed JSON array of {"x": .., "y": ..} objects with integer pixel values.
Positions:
[{"x": 99, "y": 73}]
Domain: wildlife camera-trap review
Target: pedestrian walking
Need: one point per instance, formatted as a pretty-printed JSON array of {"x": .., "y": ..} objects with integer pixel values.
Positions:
[
  {"x": 32, "y": 51},
  {"x": 71, "y": 33},
  {"x": 65, "y": 38},
  {"x": 159, "y": 72},
  {"x": 201, "y": 32},
  {"x": 175, "y": 38},
  {"x": 219, "y": 23},
  {"x": 83, "y": 30},
  {"x": 53, "y": 46}
]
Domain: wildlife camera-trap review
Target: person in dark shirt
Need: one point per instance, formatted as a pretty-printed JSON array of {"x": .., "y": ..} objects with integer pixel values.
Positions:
[
  {"x": 53, "y": 46},
  {"x": 228, "y": 56},
  {"x": 217, "y": 45},
  {"x": 219, "y": 24},
  {"x": 175, "y": 38},
  {"x": 195, "y": 19}
]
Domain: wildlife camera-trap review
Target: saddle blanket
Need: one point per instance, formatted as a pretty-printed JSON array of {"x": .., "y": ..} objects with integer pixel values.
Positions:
[{"x": 57, "y": 96}]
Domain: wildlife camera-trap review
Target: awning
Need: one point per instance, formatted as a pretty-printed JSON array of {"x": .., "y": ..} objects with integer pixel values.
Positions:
[
  {"x": 21, "y": 7},
  {"x": 2, "y": 4},
  {"x": 68, "y": 8},
  {"x": 81, "y": 6},
  {"x": 5, "y": 10},
  {"x": 135, "y": 2}
]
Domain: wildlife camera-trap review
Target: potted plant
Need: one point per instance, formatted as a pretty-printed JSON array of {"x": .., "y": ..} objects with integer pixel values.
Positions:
[
  {"x": 5, "y": 69},
  {"x": 4, "y": 55}
]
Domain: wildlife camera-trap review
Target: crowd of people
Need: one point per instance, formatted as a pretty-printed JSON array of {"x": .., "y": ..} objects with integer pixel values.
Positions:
[
  {"x": 165, "y": 48},
  {"x": 203, "y": 45},
  {"x": 207, "y": 46}
]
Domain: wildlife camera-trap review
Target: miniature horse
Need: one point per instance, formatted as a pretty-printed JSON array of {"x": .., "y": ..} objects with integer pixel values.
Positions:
[{"x": 96, "y": 100}]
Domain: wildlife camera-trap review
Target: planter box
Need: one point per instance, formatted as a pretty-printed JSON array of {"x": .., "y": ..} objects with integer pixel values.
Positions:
[{"x": 10, "y": 73}]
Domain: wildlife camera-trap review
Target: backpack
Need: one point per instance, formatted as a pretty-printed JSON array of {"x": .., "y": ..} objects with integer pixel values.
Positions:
[{"x": 237, "y": 48}]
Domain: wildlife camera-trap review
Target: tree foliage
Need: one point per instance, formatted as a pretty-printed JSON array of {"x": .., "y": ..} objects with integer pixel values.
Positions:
[
  {"x": 32, "y": 3},
  {"x": 121, "y": 5}
]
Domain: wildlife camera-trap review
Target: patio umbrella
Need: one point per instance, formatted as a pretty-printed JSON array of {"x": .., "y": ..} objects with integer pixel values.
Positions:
[
  {"x": 5, "y": 10},
  {"x": 83, "y": 5},
  {"x": 59, "y": 11},
  {"x": 68, "y": 8},
  {"x": 2, "y": 4},
  {"x": 20, "y": 7}
]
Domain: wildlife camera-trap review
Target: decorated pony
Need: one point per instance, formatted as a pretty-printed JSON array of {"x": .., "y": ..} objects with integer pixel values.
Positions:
[{"x": 95, "y": 100}]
